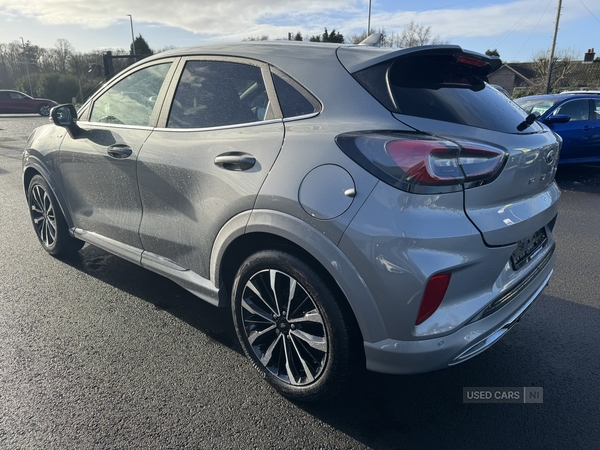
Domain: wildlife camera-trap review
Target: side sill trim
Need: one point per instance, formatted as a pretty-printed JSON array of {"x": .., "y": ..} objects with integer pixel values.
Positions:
[
  {"x": 127, "y": 252},
  {"x": 190, "y": 281}
]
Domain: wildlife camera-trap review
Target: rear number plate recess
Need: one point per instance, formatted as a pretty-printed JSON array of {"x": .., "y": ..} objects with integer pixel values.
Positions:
[{"x": 528, "y": 248}]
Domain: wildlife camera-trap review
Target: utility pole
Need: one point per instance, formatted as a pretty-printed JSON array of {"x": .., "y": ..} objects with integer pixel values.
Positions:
[
  {"x": 132, "y": 38},
  {"x": 551, "y": 61},
  {"x": 27, "y": 68},
  {"x": 369, "y": 22}
]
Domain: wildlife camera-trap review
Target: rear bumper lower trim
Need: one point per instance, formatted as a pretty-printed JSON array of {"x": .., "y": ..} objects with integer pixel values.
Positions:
[{"x": 496, "y": 335}]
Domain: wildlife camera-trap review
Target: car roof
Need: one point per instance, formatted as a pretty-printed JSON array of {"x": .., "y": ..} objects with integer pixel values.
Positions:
[
  {"x": 558, "y": 97},
  {"x": 581, "y": 92},
  {"x": 353, "y": 57},
  {"x": 261, "y": 50}
]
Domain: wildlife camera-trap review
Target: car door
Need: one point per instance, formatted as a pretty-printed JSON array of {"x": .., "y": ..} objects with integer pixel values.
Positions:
[
  {"x": 218, "y": 136},
  {"x": 98, "y": 163},
  {"x": 595, "y": 144},
  {"x": 4, "y": 102},
  {"x": 13, "y": 102},
  {"x": 577, "y": 133}
]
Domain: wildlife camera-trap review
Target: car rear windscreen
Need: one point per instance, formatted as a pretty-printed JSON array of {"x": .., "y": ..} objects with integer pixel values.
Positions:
[{"x": 441, "y": 87}]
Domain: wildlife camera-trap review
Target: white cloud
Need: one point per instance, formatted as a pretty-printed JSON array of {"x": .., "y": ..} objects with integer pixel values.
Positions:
[
  {"x": 217, "y": 17},
  {"x": 237, "y": 19},
  {"x": 492, "y": 20}
]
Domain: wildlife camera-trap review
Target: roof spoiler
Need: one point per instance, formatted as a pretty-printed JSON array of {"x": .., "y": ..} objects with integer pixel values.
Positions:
[{"x": 355, "y": 60}]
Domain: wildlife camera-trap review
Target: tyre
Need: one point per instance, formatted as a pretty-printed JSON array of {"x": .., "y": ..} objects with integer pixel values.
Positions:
[
  {"x": 44, "y": 110},
  {"x": 48, "y": 221},
  {"x": 291, "y": 326}
]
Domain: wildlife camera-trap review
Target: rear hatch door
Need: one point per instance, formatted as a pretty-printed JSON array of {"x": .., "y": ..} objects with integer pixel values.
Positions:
[{"x": 443, "y": 91}]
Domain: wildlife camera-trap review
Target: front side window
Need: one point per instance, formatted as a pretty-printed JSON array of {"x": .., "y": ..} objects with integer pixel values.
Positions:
[
  {"x": 578, "y": 110},
  {"x": 131, "y": 101},
  {"x": 218, "y": 93}
]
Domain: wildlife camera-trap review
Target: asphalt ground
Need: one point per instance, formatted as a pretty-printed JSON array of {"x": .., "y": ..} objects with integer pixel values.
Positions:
[{"x": 96, "y": 352}]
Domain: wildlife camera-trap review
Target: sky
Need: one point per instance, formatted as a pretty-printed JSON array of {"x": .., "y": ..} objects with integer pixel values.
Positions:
[{"x": 518, "y": 29}]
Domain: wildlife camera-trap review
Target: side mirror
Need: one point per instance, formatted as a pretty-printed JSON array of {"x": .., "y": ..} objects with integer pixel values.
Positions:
[
  {"x": 558, "y": 118},
  {"x": 65, "y": 116}
]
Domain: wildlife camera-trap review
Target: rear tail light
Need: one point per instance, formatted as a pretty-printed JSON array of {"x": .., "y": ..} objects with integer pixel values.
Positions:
[
  {"x": 422, "y": 163},
  {"x": 432, "y": 297}
]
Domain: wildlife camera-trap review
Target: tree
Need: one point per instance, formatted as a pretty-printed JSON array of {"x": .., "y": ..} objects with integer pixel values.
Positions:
[
  {"x": 415, "y": 34},
  {"x": 358, "y": 38},
  {"x": 57, "y": 86},
  {"x": 298, "y": 36},
  {"x": 565, "y": 63},
  {"x": 492, "y": 52},
  {"x": 328, "y": 37},
  {"x": 62, "y": 52},
  {"x": 141, "y": 47},
  {"x": 264, "y": 37}
]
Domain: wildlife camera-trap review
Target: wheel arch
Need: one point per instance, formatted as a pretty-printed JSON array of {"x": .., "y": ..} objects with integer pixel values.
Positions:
[
  {"x": 31, "y": 171},
  {"x": 265, "y": 229}
]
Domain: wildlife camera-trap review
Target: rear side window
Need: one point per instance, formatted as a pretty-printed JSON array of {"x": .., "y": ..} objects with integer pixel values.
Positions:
[
  {"x": 440, "y": 88},
  {"x": 292, "y": 101}
]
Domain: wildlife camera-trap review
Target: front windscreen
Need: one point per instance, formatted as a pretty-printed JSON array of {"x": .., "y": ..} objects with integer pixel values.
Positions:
[{"x": 536, "y": 106}]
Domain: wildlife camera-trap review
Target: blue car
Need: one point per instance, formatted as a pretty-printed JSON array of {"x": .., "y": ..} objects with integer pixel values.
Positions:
[{"x": 575, "y": 117}]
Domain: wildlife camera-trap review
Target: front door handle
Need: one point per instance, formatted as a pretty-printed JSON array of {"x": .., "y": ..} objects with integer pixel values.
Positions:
[
  {"x": 236, "y": 161},
  {"x": 119, "y": 151}
]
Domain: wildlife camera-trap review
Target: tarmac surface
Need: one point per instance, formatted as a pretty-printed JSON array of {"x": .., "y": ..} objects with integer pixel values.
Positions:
[{"x": 96, "y": 352}]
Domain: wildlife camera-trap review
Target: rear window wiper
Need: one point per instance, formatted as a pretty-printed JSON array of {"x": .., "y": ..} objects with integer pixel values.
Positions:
[{"x": 527, "y": 122}]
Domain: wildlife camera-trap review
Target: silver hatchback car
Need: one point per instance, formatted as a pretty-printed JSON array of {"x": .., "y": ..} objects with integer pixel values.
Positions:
[{"x": 354, "y": 206}]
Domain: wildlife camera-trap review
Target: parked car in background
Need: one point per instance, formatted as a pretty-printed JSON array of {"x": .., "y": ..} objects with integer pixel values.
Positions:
[
  {"x": 573, "y": 116},
  {"x": 353, "y": 206},
  {"x": 15, "y": 102}
]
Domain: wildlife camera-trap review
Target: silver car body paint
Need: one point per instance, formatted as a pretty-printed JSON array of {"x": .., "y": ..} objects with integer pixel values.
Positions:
[{"x": 378, "y": 243}]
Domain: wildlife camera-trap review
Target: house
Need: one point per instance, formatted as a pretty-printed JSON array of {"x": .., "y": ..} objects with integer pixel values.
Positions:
[{"x": 529, "y": 78}]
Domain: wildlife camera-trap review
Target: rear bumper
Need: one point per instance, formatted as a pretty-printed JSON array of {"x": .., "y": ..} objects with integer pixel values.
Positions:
[{"x": 408, "y": 357}]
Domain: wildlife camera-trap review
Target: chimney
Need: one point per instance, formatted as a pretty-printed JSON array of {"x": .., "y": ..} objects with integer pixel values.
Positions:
[{"x": 589, "y": 56}]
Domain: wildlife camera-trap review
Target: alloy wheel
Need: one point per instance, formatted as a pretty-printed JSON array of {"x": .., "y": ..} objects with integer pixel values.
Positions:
[
  {"x": 43, "y": 215},
  {"x": 284, "y": 327}
]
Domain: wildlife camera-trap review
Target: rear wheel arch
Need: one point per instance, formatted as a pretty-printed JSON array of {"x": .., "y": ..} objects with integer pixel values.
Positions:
[
  {"x": 252, "y": 231},
  {"x": 246, "y": 245}
]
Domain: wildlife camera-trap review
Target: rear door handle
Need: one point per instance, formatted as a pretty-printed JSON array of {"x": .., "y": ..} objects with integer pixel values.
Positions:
[
  {"x": 236, "y": 161},
  {"x": 119, "y": 151}
]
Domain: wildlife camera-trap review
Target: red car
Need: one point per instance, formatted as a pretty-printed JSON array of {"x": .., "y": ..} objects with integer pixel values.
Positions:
[{"x": 14, "y": 102}]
